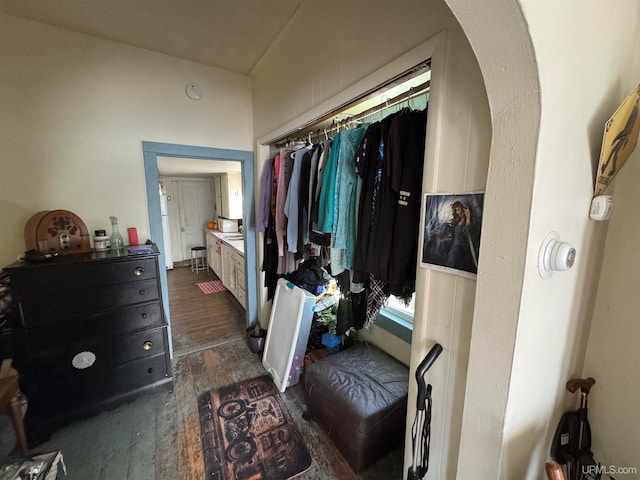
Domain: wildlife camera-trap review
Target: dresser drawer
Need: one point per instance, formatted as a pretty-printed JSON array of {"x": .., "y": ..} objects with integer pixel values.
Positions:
[
  {"x": 109, "y": 350},
  {"x": 65, "y": 388},
  {"x": 44, "y": 336},
  {"x": 137, "y": 345},
  {"x": 42, "y": 306},
  {"x": 54, "y": 278},
  {"x": 140, "y": 373}
]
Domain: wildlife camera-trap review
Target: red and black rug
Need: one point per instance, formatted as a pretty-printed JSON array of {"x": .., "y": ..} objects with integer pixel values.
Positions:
[{"x": 247, "y": 433}]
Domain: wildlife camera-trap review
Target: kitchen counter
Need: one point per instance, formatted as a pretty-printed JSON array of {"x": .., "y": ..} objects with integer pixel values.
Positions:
[
  {"x": 225, "y": 254},
  {"x": 233, "y": 239}
]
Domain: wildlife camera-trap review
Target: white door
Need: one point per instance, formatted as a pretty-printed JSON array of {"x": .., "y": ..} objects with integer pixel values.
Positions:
[{"x": 195, "y": 211}]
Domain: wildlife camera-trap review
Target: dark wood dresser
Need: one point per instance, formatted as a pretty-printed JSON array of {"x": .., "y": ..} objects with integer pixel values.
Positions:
[{"x": 94, "y": 335}]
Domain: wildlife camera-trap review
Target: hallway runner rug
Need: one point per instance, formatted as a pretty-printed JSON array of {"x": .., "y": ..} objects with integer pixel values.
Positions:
[
  {"x": 214, "y": 286},
  {"x": 247, "y": 432}
]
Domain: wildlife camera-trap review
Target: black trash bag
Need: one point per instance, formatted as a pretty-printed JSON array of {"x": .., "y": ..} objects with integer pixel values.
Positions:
[
  {"x": 315, "y": 334},
  {"x": 345, "y": 316},
  {"x": 309, "y": 276},
  {"x": 359, "y": 309}
]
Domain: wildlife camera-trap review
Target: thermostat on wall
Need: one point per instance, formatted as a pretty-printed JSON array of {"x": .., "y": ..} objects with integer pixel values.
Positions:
[{"x": 601, "y": 207}]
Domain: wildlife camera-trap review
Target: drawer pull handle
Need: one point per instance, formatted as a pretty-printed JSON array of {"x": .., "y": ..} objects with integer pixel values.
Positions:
[
  {"x": 142, "y": 292},
  {"x": 145, "y": 315},
  {"x": 138, "y": 271},
  {"x": 147, "y": 345}
]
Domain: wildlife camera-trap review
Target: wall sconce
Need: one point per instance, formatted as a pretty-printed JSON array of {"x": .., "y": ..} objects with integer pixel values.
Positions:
[{"x": 555, "y": 255}]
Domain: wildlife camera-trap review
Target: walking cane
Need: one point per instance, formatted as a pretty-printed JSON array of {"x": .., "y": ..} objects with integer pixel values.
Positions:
[{"x": 554, "y": 470}]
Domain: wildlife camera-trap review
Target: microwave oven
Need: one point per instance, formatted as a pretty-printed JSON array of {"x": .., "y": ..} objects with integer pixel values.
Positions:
[{"x": 226, "y": 225}]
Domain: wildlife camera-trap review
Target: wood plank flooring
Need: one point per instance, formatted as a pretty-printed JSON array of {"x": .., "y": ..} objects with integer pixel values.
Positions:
[
  {"x": 198, "y": 320},
  {"x": 157, "y": 437}
]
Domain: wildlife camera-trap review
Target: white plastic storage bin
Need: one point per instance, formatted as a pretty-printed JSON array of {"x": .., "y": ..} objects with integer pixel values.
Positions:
[{"x": 288, "y": 333}]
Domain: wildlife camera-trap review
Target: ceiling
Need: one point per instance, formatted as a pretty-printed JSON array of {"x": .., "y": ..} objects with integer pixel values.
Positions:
[{"x": 229, "y": 34}]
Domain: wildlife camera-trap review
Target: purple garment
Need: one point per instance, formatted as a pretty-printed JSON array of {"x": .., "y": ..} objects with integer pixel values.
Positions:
[{"x": 266, "y": 184}]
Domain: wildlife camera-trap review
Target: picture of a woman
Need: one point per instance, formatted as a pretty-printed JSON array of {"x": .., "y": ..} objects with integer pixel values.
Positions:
[{"x": 452, "y": 232}]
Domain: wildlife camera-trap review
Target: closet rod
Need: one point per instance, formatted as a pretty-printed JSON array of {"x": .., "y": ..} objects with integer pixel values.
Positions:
[{"x": 412, "y": 92}]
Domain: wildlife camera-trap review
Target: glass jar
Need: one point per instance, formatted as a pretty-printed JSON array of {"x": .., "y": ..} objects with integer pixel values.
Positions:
[{"x": 117, "y": 243}]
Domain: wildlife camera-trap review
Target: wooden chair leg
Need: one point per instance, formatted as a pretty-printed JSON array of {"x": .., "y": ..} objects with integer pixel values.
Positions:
[{"x": 18, "y": 424}]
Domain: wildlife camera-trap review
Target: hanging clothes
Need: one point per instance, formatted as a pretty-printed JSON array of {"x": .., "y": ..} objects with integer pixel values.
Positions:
[
  {"x": 269, "y": 242},
  {"x": 318, "y": 175},
  {"x": 385, "y": 198},
  {"x": 292, "y": 202},
  {"x": 326, "y": 205},
  {"x": 284, "y": 176},
  {"x": 344, "y": 218},
  {"x": 407, "y": 183},
  {"x": 353, "y": 202},
  {"x": 304, "y": 199},
  {"x": 266, "y": 186}
]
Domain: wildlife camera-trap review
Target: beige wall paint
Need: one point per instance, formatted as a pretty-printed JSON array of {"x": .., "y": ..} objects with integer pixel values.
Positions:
[
  {"x": 328, "y": 46},
  {"x": 347, "y": 53},
  {"x": 577, "y": 99},
  {"x": 546, "y": 347},
  {"x": 613, "y": 357},
  {"x": 75, "y": 110}
]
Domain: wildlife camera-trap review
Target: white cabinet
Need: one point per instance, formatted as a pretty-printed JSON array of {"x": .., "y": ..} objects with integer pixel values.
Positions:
[
  {"x": 211, "y": 250},
  {"x": 217, "y": 258},
  {"x": 214, "y": 253},
  {"x": 228, "y": 196},
  {"x": 233, "y": 275}
]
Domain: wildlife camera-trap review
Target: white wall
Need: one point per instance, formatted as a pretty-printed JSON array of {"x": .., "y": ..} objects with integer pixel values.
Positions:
[
  {"x": 613, "y": 357},
  {"x": 304, "y": 68},
  {"x": 75, "y": 110},
  {"x": 578, "y": 97},
  {"x": 551, "y": 325},
  {"x": 356, "y": 41}
]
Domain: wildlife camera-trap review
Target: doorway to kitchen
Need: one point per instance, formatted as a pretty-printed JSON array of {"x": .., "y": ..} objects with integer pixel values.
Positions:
[
  {"x": 152, "y": 152},
  {"x": 192, "y": 197}
]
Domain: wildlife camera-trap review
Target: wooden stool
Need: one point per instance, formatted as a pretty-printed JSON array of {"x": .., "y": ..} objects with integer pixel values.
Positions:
[{"x": 10, "y": 399}]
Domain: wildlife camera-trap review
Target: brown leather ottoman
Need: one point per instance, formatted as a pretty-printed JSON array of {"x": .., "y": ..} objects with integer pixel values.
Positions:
[{"x": 359, "y": 397}]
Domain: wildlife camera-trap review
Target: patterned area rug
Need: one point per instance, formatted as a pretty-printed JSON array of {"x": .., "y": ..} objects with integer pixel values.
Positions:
[
  {"x": 214, "y": 286},
  {"x": 248, "y": 433}
]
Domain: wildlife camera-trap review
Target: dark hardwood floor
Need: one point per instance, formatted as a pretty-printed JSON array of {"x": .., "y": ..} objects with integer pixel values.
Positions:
[
  {"x": 197, "y": 320},
  {"x": 158, "y": 435}
]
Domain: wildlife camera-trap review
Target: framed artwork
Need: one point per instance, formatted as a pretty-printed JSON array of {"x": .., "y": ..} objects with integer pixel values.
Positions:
[{"x": 451, "y": 236}]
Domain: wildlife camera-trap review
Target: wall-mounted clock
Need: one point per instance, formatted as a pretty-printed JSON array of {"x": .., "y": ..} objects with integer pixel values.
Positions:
[{"x": 193, "y": 91}]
